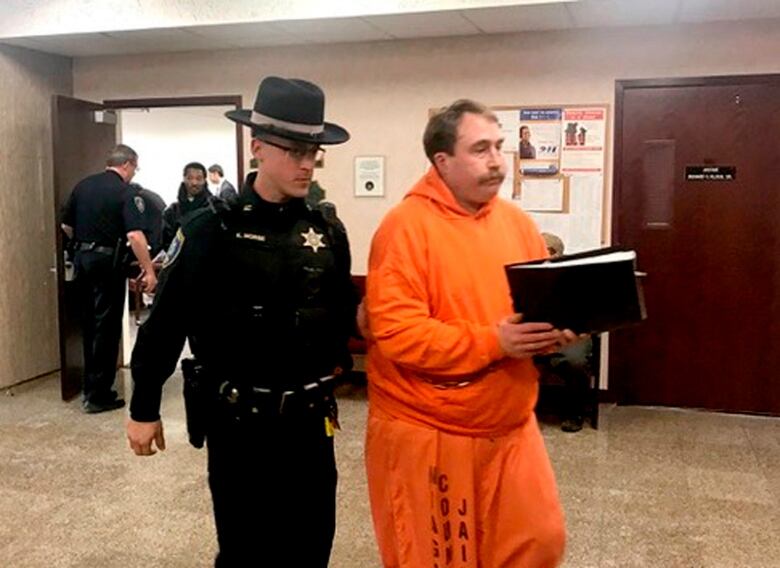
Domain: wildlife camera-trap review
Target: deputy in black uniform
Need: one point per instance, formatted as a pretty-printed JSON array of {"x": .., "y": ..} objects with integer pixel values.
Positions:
[
  {"x": 101, "y": 214},
  {"x": 270, "y": 350}
]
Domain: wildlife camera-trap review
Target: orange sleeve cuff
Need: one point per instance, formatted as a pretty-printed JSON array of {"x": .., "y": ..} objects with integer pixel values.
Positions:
[{"x": 493, "y": 345}]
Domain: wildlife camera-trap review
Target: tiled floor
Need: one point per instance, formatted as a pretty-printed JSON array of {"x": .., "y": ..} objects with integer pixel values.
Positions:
[{"x": 652, "y": 487}]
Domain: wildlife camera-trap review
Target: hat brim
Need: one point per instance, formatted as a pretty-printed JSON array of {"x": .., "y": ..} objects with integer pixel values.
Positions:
[{"x": 331, "y": 134}]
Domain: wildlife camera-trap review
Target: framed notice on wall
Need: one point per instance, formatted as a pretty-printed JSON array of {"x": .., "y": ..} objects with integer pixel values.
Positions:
[{"x": 369, "y": 176}]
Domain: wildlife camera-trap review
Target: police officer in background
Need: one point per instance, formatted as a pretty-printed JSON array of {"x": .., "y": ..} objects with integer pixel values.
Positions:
[
  {"x": 270, "y": 350},
  {"x": 101, "y": 214}
]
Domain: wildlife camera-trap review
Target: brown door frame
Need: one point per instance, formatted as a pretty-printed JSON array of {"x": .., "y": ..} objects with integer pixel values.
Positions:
[
  {"x": 69, "y": 328},
  {"x": 616, "y": 391},
  {"x": 167, "y": 102}
]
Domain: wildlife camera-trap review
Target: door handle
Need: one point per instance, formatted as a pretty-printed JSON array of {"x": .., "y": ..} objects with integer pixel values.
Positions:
[{"x": 640, "y": 274}]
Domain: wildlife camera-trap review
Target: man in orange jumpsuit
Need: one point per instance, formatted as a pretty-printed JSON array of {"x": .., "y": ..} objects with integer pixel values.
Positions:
[{"x": 457, "y": 470}]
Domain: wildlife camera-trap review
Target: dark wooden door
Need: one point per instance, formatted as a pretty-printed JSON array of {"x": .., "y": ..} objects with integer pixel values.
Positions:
[
  {"x": 711, "y": 248},
  {"x": 80, "y": 146}
]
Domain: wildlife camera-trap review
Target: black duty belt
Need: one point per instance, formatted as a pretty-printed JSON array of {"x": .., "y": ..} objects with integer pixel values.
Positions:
[
  {"x": 94, "y": 247},
  {"x": 260, "y": 400}
]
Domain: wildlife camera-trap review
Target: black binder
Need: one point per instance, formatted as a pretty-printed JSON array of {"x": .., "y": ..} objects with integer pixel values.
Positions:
[{"x": 588, "y": 292}]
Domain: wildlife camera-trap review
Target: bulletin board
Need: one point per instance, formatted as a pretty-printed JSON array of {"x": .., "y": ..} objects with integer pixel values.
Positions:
[{"x": 556, "y": 164}]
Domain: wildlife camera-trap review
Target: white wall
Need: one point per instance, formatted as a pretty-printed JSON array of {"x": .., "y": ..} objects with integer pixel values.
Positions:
[
  {"x": 168, "y": 138},
  {"x": 382, "y": 91}
]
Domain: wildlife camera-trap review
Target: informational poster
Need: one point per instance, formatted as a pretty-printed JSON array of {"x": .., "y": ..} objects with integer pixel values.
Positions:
[
  {"x": 369, "y": 176},
  {"x": 557, "y": 174},
  {"x": 540, "y": 136},
  {"x": 583, "y": 141}
]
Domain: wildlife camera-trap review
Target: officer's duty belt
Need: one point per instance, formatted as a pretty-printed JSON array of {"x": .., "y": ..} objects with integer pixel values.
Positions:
[
  {"x": 259, "y": 400},
  {"x": 94, "y": 247}
]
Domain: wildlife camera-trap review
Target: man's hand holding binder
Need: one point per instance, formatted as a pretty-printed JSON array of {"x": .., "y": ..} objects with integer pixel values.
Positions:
[{"x": 524, "y": 340}]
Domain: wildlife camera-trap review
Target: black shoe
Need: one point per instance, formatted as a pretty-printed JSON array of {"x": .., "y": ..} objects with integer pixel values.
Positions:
[
  {"x": 91, "y": 407},
  {"x": 572, "y": 424}
]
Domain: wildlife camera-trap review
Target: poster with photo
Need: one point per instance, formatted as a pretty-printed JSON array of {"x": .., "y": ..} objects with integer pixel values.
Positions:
[
  {"x": 540, "y": 134},
  {"x": 539, "y": 140},
  {"x": 558, "y": 154}
]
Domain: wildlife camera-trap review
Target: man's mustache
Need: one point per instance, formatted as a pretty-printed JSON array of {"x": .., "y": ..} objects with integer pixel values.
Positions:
[{"x": 491, "y": 178}]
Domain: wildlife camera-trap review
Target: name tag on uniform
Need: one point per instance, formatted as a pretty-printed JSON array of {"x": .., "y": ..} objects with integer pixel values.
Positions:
[{"x": 251, "y": 237}]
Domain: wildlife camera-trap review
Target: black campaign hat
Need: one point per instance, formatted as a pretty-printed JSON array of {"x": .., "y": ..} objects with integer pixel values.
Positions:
[{"x": 292, "y": 109}]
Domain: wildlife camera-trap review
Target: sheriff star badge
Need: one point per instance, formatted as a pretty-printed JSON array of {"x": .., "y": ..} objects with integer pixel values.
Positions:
[{"x": 313, "y": 239}]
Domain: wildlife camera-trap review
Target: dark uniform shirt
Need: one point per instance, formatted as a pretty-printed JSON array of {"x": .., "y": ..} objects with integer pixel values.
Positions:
[
  {"x": 289, "y": 313},
  {"x": 155, "y": 205},
  {"x": 102, "y": 209}
]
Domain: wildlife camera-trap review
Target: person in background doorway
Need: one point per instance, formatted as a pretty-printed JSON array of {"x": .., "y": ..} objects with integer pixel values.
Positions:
[
  {"x": 101, "y": 214},
  {"x": 193, "y": 195},
  {"x": 222, "y": 187}
]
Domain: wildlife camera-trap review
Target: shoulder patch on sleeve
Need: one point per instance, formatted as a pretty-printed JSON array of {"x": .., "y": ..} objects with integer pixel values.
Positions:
[
  {"x": 174, "y": 249},
  {"x": 140, "y": 204}
]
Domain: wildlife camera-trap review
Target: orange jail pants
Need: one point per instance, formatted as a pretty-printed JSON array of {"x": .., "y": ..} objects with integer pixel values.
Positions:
[{"x": 444, "y": 501}]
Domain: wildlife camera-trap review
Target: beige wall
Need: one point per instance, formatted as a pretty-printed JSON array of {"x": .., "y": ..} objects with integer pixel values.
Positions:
[
  {"x": 28, "y": 293},
  {"x": 382, "y": 91}
]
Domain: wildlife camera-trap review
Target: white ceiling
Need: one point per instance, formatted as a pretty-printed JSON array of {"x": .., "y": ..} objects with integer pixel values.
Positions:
[{"x": 502, "y": 19}]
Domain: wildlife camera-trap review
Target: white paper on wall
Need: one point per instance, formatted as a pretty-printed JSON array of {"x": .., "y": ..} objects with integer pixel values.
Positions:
[
  {"x": 507, "y": 188},
  {"x": 509, "y": 121},
  {"x": 542, "y": 194},
  {"x": 580, "y": 230}
]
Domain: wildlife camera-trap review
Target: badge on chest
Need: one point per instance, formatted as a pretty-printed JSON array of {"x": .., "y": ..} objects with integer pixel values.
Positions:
[{"x": 313, "y": 239}]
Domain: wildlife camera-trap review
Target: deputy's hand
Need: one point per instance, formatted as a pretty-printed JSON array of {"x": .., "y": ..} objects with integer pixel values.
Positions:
[
  {"x": 148, "y": 282},
  {"x": 143, "y": 436},
  {"x": 524, "y": 340}
]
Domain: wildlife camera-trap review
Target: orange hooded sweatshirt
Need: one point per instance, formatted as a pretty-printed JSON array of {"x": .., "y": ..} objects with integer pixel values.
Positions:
[{"x": 436, "y": 289}]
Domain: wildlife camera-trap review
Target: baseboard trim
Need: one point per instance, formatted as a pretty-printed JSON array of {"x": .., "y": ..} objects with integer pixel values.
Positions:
[{"x": 25, "y": 381}]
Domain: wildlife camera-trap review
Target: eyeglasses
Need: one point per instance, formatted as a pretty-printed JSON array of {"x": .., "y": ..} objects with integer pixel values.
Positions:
[{"x": 298, "y": 153}]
